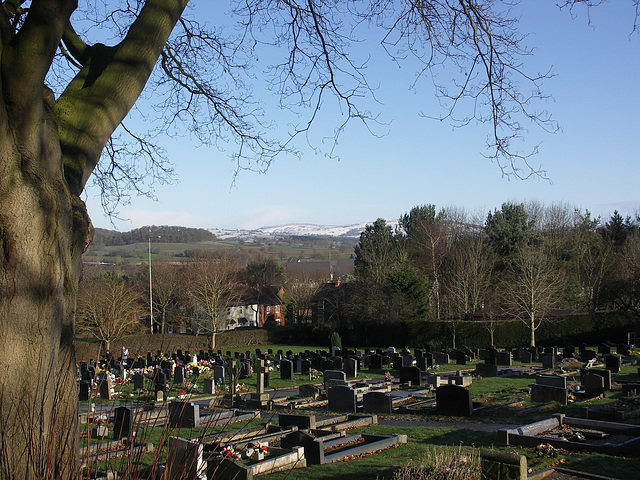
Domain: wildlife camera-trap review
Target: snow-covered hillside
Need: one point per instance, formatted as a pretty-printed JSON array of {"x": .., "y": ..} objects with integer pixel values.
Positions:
[{"x": 294, "y": 230}]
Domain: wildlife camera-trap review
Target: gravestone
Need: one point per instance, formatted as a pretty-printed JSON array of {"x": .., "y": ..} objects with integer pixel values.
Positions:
[
  {"x": 286, "y": 370},
  {"x": 587, "y": 354},
  {"x": 376, "y": 362},
  {"x": 593, "y": 383},
  {"x": 123, "y": 423},
  {"x": 219, "y": 374},
  {"x": 604, "y": 349},
  {"x": 178, "y": 375},
  {"x": 504, "y": 359},
  {"x": 526, "y": 357},
  {"x": 487, "y": 370},
  {"x": 441, "y": 358},
  {"x": 396, "y": 362},
  {"x": 421, "y": 363},
  {"x": 84, "y": 390},
  {"x": 407, "y": 360},
  {"x": 184, "y": 459},
  {"x": 568, "y": 352},
  {"x": 604, "y": 373},
  {"x": 351, "y": 367},
  {"x": 548, "y": 361},
  {"x": 613, "y": 363},
  {"x": 498, "y": 465},
  {"x": 377, "y": 402},
  {"x": 545, "y": 394},
  {"x": 209, "y": 386},
  {"x": 260, "y": 396},
  {"x": 305, "y": 367},
  {"x": 327, "y": 364},
  {"x": 342, "y": 398},
  {"x": 99, "y": 431},
  {"x": 308, "y": 391},
  {"x": 430, "y": 361},
  {"x": 138, "y": 381},
  {"x": 161, "y": 382},
  {"x": 434, "y": 380},
  {"x": 333, "y": 377},
  {"x": 461, "y": 358},
  {"x": 551, "y": 381},
  {"x": 184, "y": 415},
  {"x": 410, "y": 374},
  {"x": 454, "y": 400},
  {"x": 105, "y": 387}
]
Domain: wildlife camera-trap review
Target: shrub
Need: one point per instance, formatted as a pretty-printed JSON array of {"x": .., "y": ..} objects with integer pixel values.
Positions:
[{"x": 335, "y": 340}]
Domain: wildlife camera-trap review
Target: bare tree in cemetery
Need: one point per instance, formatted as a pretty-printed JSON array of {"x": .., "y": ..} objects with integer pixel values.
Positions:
[
  {"x": 299, "y": 295},
  {"x": 215, "y": 286},
  {"x": 532, "y": 288},
  {"x": 108, "y": 308}
]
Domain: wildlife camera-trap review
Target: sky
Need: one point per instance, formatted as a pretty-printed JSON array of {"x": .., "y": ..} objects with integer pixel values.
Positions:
[{"x": 592, "y": 163}]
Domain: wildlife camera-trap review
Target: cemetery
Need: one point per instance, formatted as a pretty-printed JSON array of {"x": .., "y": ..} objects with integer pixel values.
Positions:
[{"x": 248, "y": 413}]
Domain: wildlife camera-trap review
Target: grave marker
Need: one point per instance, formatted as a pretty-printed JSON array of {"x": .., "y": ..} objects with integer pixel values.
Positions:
[{"x": 454, "y": 400}]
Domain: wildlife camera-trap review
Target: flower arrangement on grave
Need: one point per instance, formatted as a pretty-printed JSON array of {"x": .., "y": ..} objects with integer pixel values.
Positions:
[
  {"x": 313, "y": 374},
  {"x": 573, "y": 435},
  {"x": 388, "y": 377},
  {"x": 257, "y": 449},
  {"x": 240, "y": 388},
  {"x": 229, "y": 452},
  {"x": 545, "y": 450}
]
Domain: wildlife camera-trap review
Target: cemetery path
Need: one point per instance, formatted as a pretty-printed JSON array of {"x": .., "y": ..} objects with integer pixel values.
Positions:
[{"x": 468, "y": 424}]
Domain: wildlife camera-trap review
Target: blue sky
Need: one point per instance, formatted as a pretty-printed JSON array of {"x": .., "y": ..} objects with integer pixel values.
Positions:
[{"x": 593, "y": 162}]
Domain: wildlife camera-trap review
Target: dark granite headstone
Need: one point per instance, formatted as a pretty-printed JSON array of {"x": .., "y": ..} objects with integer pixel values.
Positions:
[
  {"x": 342, "y": 398},
  {"x": 410, "y": 374},
  {"x": 376, "y": 362},
  {"x": 454, "y": 400},
  {"x": 548, "y": 361},
  {"x": 178, "y": 375},
  {"x": 377, "y": 402},
  {"x": 84, "y": 389},
  {"x": 545, "y": 394},
  {"x": 487, "y": 370},
  {"x": 333, "y": 377},
  {"x": 208, "y": 386},
  {"x": 593, "y": 383},
  {"x": 123, "y": 423},
  {"x": 184, "y": 415},
  {"x": 286, "y": 370},
  {"x": 351, "y": 367},
  {"x": 613, "y": 363}
]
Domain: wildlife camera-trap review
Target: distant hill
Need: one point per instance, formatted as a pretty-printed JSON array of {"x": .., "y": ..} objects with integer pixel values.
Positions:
[
  {"x": 348, "y": 234},
  {"x": 344, "y": 232},
  {"x": 161, "y": 234}
]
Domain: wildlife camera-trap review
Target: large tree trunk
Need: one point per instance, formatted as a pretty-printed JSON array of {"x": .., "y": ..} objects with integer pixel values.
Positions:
[
  {"x": 48, "y": 150},
  {"x": 43, "y": 231}
]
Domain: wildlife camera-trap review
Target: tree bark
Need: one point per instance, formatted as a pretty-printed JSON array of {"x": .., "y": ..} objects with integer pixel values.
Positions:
[
  {"x": 48, "y": 150},
  {"x": 43, "y": 232}
]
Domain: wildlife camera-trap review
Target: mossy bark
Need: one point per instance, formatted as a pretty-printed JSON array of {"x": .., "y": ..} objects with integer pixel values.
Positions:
[{"x": 48, "y": 149}]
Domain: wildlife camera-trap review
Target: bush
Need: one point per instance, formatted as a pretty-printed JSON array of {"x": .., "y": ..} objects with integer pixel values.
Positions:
[{"x": 335, "y": 340}]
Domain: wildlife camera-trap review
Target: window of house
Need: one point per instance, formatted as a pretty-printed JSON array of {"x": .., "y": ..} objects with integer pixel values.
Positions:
[
  {"x": 277, "y": 308},
  {"x": 268, "y": 309}
]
